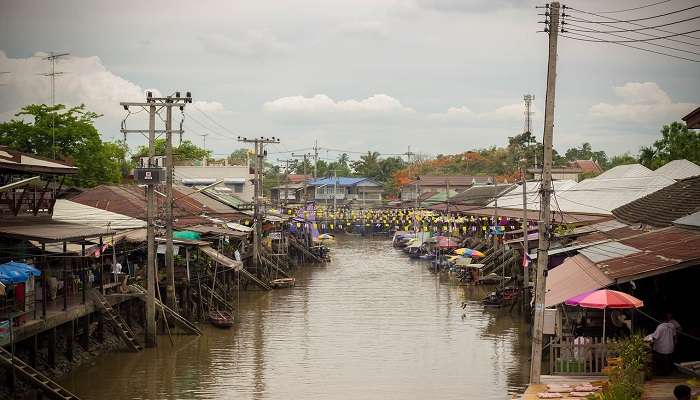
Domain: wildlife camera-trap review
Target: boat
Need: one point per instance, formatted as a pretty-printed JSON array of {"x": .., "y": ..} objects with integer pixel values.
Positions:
[
  {"x": 221, "y": 319},
  {"x": 282, "y": 283}
]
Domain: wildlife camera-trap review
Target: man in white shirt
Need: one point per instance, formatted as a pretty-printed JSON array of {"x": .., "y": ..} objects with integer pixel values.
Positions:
[{"x": 664, "y": 338}]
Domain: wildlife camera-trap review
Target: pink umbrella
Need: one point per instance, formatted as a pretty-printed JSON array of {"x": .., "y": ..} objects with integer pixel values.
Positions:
[{"x": 604, "y": 299}]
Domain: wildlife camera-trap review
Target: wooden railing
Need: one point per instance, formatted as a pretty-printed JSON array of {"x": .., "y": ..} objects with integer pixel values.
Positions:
[{"x": 583, "y": 358}]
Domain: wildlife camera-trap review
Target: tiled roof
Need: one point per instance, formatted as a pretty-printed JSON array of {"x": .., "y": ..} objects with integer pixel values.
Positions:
[
  {"x": 586, "y": 165},
  {"x": 664, "y": 206},
  {"x": 298, "y": 178}
]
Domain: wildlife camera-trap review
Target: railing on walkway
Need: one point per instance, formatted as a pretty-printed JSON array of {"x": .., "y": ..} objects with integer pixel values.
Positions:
[{"x": 581, "y": 357}]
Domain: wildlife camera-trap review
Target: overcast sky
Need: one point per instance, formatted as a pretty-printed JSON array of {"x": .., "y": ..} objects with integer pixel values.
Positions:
[{"x": 441, "y": 76}]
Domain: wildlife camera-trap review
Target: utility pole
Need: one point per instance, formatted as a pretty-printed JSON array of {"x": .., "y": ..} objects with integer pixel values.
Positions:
[
  {"x": 545, "y": 193},
  {"x": 305, "y": 157},
  {"x": 495, "y": 212},
  {"x": 258, "y": 213},
  {"x": 286, "y": 179},
  {"x": 335, "y": 189},
  {"x": 153, "y": 105},
  {"x": 528, "y": 98},
  {"x": 315, "y": 156},
  {"x": 204, "y": 144},
  {"x": 526, "y": 250},
  {"x": 53, "y": 74}
]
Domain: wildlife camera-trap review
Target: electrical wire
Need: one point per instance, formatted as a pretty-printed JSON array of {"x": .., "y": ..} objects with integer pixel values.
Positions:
[
  {"x": 626, "y": 45},
  {"x": 625, "y": 37},
  {"x": 638, "y": 19},
  {"x": 613, "y": 21},
  {"x": 640, "y": 40},
  {"x": 638, "y": 33},
  {"x": 635, "y": 8},
  {"x": 646, "y": 28}
]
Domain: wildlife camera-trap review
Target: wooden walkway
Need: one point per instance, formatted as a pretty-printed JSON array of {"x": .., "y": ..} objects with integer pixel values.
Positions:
[
  {"x": 532, "y": 389},
  {"x": 661, "y": 388}
]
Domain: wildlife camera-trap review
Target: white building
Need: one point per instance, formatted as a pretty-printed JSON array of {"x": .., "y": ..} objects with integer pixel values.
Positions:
[{"x": 237, "y": 178}]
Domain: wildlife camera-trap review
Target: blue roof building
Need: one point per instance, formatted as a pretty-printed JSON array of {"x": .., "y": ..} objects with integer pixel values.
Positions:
[{"x": 343, "y": 190}]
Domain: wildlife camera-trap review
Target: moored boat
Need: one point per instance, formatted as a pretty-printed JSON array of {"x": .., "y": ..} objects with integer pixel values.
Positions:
[
  {"x": 221, "y": 319},
  {"x": 282, "y": 283}
]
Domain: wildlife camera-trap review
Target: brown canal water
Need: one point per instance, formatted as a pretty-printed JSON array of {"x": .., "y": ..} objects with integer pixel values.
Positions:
[{"x": 372, "y": 324}]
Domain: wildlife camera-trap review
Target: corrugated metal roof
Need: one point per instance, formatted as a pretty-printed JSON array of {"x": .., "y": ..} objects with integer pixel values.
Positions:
[
  {"x": 574, "y": 276},
  {"x": 601, "y": 196},
  {"x": 72, "y": 212},
  {"x": 452, "y": 180},
  {"x": 678, "y": 169},
  {"x": 606, "y": 251},
  {"x": 625, "y": 171},
  {"x": 514, "y": 198},
  {"x": 480, "y": 195},
  {"x": 660, "y": 251},
  {"x": 48, "y": 231},
  {"x": 692, "y": 220},
  {"x": 17, "y": 160}
]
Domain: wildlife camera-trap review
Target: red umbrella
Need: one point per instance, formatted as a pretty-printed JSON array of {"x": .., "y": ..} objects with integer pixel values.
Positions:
[
  {"x": 604, "y": 299},
  {"x": 445, "y": 242}
]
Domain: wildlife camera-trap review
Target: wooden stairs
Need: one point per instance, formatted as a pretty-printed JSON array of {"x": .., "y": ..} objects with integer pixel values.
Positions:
[
  {"x": 35, "y": 378},
  {"x": 179, "y": 319},
  {"x": 116, "y": 320}
]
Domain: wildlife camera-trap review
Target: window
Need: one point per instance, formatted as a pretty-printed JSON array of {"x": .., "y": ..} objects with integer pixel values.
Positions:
[{"x": 238, "y": 188}]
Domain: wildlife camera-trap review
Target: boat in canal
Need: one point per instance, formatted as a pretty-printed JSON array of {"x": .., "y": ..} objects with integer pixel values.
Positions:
[
  {"x": 221, "y": 319},
  {"x": 282, "y": 283}
]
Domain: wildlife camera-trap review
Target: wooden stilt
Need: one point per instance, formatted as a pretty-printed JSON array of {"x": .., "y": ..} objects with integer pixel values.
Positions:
[
  {"x": 51, "y": 337},
  {"x": 70, "y": 333}
]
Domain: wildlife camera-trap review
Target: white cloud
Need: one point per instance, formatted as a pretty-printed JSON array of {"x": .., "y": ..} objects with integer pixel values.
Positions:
[
  {"x": 321, "y": 103},
  {"x": 507, "y": 113},
  {"x": 641, "y": 102},
  {"x": 85, "y": 80},
  {"x": 210, "y": 107},
  {"x": 366, "y": 28}
]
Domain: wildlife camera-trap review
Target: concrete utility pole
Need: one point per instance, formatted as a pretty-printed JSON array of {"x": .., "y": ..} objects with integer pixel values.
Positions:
[
  {"x": 258, "y": 215},
  {"x": 526, "y": 250},
  {"x": 335, "y": 189},
  {"x": 153, "y": 105},
  {"x": 286, "y": 180},
  {"x": 304, "y": 157},
  {"x": 495, "y": 211},
  {"x": 545, "y": 193},
  {"x": 315, "y": 156},
  {"x": 527, "y": 128}
]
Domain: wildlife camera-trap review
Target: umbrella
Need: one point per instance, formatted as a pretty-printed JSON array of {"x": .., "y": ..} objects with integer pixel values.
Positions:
[
  {"x": 469, "y": 252},
  {"x": 604, "y": 299},
  {"x": 447, "y": 242}
]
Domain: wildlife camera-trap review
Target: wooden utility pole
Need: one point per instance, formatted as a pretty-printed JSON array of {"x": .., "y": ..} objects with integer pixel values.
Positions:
[
  {"x": 258, "y": 213},
  {"x": 154, "y": 105},
  {"x": 545, "y": 193}
]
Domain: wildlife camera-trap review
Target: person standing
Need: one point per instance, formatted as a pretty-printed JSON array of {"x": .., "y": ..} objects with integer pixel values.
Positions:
[{"x": 664, "y": 343}]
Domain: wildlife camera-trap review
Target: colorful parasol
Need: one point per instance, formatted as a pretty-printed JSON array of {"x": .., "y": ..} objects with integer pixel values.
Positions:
[
  {"x": 469, "y": 252},
  {"x": 445, "y": 242},
  {"x": 604, "y": 299}
]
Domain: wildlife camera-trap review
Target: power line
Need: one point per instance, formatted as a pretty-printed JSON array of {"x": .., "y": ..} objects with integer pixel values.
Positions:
[
  {"x": 651, "y": 27},
  {"x": 644, "y": 40},
  {"x": 625, "y": 37},
  {"x": 635, "y": 8},
  {"x": 610, "y": 24},
  {"x": 638, "y": 19},
  {"x": 597, "y": 40}
]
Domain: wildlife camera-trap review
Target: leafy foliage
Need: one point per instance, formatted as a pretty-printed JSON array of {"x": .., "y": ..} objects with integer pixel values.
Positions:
[
  {"x": 239, "y": 157},
  {"x": 185, "y": 151},
  {"x": 70, "y": 134},
  {"x": 676, "y": 142}
]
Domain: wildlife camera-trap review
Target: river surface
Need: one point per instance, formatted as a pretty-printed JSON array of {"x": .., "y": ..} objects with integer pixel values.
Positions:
[{"x": 372, "y": 324}]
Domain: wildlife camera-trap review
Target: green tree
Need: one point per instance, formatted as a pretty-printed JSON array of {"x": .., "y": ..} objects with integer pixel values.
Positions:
[
  {"x": 367, "y": 165},
  {"x": 70, "y": 135},
  {"x": 185, "y": 151},
  {"x": 586, "y": 153},
  {"x": 239, "y": 157},
  {"x": 677, "y": 142},
  {"x": 621, "y": 159}
]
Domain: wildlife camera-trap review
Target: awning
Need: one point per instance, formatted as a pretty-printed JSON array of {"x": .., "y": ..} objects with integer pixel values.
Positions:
[
  {"x": 239, "y": 227},
  {"x": 574, "y": 276},
  {"x": 222, "y": 259},
  {"x": 15, "y": 272}
]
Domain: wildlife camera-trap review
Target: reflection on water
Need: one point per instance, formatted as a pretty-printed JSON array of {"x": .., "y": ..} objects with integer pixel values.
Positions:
[{"x": 372, "y": 324}]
